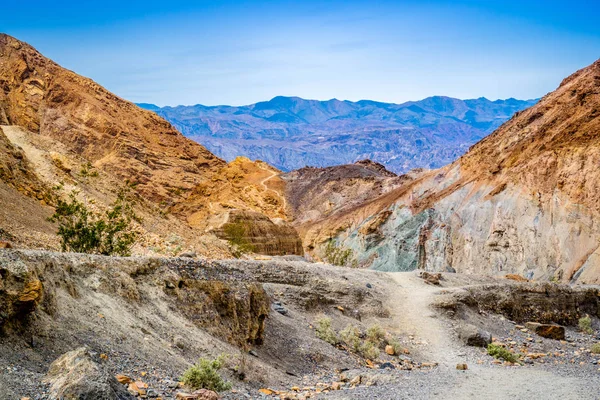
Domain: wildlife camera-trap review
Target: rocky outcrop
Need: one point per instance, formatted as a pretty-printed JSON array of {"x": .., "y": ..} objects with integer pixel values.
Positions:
[
  {"x": 549, "y": 331},
  {"x": 251, "y": 231},
  {"x": 232, "y": 309},
  {"x": 522, "y": 201},
  {"x": 544, "y": 303},
  {"x": 21, "y": 291},
  {"x": 75, "y": 375}
]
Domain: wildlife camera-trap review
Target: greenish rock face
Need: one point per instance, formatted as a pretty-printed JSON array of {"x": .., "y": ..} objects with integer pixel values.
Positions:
[{"x": 395, "y": 247}]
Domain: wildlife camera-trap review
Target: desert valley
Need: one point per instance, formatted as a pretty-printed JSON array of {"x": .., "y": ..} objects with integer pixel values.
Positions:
[{"x": 136, "y": 263}]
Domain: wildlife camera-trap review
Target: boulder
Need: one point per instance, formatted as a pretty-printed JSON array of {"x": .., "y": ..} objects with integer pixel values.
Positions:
[
  {"x": 550, "y": 331},
  {"x": 75, "y": 375},
  {"x": 431, "y": 278},
  {"x": 5, "y": 245},
  {"x": 473, "y": 336}
]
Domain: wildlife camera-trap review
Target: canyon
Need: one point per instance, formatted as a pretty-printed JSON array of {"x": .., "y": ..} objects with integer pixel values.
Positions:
[{"x": 350, "y": 281}]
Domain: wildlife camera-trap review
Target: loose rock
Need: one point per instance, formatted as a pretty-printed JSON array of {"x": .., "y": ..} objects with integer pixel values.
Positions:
[
  {"x": 549, "y": 331},
  {"x": 473, "y": 336},
  {"x": 75, "y": 375}
]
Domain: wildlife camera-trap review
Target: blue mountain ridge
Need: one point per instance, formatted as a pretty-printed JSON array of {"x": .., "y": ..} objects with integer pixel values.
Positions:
[{"x": 291, "y": 132}]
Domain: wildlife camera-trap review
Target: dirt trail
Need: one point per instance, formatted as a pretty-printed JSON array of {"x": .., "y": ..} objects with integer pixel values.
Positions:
[
  {"x": 263, "y": 183},
  {"x": 412, "y": 315}
]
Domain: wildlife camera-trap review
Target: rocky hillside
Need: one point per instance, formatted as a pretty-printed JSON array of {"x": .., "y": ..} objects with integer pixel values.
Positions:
[
  {"x": 290, "y": 132},
  {"x": 523, "y": 200},
  {"x": 59, "y": 128}
]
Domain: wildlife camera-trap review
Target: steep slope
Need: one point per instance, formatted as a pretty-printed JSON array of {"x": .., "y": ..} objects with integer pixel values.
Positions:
[
  {"x": 290, "y": 132},
  {"x": 67, "y": 124},
  {"x": 524, "y": 200},
  {"x": 114, "y": 134}
]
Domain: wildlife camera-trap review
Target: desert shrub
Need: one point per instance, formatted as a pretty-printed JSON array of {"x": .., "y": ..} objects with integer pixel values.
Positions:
[
  {"x": 369, "y": 350},
  {"x": 376, "y": 335},
  {"x": 498, "y": 351},
  {"x": 398, "y": 348},
  {"x": 351, "y": 336},
  {"x": 204, "y": 375},
  {"x": 338, "y": 256},
  {"x": 585, "y": 324},
  {"x": 84, "y": 231},
  {"x": 325, "y": 332},
  {"x": 595, "y": 349}
]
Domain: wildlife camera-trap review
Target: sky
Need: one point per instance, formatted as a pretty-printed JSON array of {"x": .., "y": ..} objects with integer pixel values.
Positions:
[{"x": 241, "y": 52}]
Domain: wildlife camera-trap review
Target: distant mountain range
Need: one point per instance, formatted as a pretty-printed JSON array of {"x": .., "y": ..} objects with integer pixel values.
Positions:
[{"x": 291, "y": 132}]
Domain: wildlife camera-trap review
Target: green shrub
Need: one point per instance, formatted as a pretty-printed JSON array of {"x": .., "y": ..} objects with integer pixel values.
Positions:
[
  {"x": 369, "y": 350},
  {"x": 498, "y": 351},
  {"x": 585, "y": 324},
  {"x": 84, "y": 231},
  {"x": 595, "y": 349},
  {"x": 325, "y": 332},
  {"x": 204, "y": 375},
  {"x": 376, "y": 335},
  {"x": 351, "y": 336},
  {"x": 338, "y": 256},
  {"x": 398, "y": 348}
]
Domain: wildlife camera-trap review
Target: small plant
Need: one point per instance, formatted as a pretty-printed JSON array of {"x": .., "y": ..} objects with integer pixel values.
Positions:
[
  {"x": 369, "y": 350},
  {"x": 498, "y": 351},
  {"x": 325, "y": 332},
  {"x": 595, "y": 349},
  {"x": 338, "y": 256},
  {"x": 88, "y": 171},
  {"x": 376, "y": 335},
  {"x": 398, "y": 349},
  {"x": 585, "y": 324},
  {"x": 204, "y": 375},
  {"x": 351, "y": 336},
  {"x": 84, "y": 231}
]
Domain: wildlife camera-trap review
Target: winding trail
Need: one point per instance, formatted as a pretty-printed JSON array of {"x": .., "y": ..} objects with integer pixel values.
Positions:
[
  {"x": 263, "y": 183},
  {"x": 412, "y": 314}
]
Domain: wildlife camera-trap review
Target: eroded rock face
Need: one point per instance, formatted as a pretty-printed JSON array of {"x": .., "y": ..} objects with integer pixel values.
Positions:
[
  {"x": 524, "y": 200},
  {"x": 76, "y": 376},
  {"x": 252, "y": 231},
  {"x": 545, "y": 303},
  {"x": 17, "y": 171},
  {"x": 20, "y": 293},
  {"x": 234, "y": 312}
]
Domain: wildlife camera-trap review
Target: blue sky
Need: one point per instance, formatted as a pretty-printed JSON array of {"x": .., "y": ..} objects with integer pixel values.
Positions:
[{"x": 240, "y": 52}]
